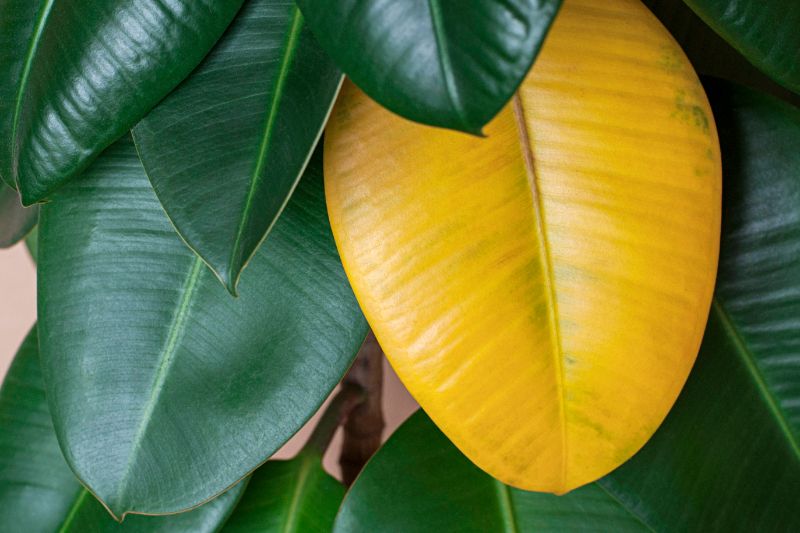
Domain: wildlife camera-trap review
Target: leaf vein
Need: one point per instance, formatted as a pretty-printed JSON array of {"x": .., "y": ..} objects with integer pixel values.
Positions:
[
  {"x": 176, "y": 329},
  {"x": 293, "y": 35},
  {"x": 624, "y": 506},
  {"x": 445, "y": 62},
  {"x": 547, "y": 267},
  {"x": 506, "y": 507},
  {"x": 73, "y": 510},
  {"x": 752, "y": 367}
]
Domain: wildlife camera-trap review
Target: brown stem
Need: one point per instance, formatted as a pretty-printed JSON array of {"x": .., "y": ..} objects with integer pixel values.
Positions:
[
  {"x": 349, "y": 396},
  {"x": 364, "y": 426}
]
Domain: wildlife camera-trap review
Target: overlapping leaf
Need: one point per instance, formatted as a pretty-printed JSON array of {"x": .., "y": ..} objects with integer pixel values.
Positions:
[
  {"x": 542, "y": 293},
  {"x": 288, "y": 496},
  {"x": 32, "y": 243},
  {"x": 727, "y": 456},
  {"x": 420, "y": 483},
  {"x": 710, "y": 54},
  {"x": 441, "y": 62},
  {"x": 74, "y": 76},
  {"x": 15, "y": 221},
  {"x": 226, "y": 149},
  {"x": 39, "y": 493},
  {"x": 164, "y": 389},
  {"x": 766, "y": 33}
]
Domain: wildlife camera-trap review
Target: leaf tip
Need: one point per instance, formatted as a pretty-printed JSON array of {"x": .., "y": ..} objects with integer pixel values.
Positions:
[
  {"x": 229, "y": 279},
  {"x": 476, "y": 130},
  {"x": 30, "y": 197},
  {"x": 233, "y": 289}
]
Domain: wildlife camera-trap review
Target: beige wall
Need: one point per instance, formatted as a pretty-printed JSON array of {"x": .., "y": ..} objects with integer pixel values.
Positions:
[
  {"x": 18, "y": 313},
  {"x": 17, "y": 301}
]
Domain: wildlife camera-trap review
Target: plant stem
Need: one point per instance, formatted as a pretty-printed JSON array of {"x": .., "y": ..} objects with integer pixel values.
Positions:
[
  {"x": 364, "y": 426},
  {"x": 349, "y": 396}
]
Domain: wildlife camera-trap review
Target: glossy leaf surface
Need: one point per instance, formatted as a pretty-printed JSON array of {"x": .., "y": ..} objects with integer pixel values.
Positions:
[
  {"x": 542, "y": 293},
  {"x": 15, "y": 221},
  {"x": 726, "y": 458},
  {"x": 74, "y": 76},
  {"x": 164, "y": 389},
  {"x": 418, "y": 482},
  {"x": 446, "y": 63},
  {"x": 288, "y": 497},
  {"x": 225, "y": 151},
  {"x": 710, "y": 54},
  {"x": 39, "y": 493},
  {"x": 767, "y": 33}
]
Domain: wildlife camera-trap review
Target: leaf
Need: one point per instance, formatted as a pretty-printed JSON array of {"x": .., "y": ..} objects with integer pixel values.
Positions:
[
  {"x": 766, "y": 33},
  {"x": 32, "y": 242},
  {"x": 76, "y": 75},
  {"x": 15, "y": 221},
  {"x": 441, "y": 62},
  {"x": 164, "y": 389},
  {"x": 726, "y": 458},
  {"x": 542, "y": 293},
  {"x": 35, "y": 483},
  {"x": 441, "y": 490},
  {"x": 39, "y": 493},
  {"x": 287, "y": 496},
  {"x": 710, "y": 54},
  {"x": 225, "y": 151}
]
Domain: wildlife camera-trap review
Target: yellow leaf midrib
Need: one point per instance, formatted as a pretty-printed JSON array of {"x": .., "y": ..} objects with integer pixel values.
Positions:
[{"x": 526, "y": 149}]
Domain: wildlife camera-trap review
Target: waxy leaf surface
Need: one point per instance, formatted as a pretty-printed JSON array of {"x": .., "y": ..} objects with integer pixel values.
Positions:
[
  {"x": 288, "y": 497},
  {"x": 766, "y": 33},
  {"x": 38, "y": 491},
  {"x": 727, "y": 456},
  {"x": 710, "y": 54},
  {"x": 446, "y": 63},
  {"x": 418, "y": 482},
  {"x": 164, "y": 389},
  {"x": 76, "y": 75},
  {"x": 226, "y": 149},
  {"x": 543, "y": 292}
]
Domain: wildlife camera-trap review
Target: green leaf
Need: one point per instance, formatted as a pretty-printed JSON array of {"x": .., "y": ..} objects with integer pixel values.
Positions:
[
  {"x": 766, "y": 33},
  {"x": 445, "y": 63},
  {"x": 226, "y": 149},
  {"x": 39, "y": 493},
  {"x": 35, "y": 483},
  {"x": 710, "y": 54},
  {"x": 288, "y": 496},
  {"x": 74, "y": 76},
  {"x": 164, "y": 389},
  {"x": 32, "y": 242},
  {"x": 419, "y": 482},
  {"x": 726, "y": 458},
  {"x": 15, "y": 221}
]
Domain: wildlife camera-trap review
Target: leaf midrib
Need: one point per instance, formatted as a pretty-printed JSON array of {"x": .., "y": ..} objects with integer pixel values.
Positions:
[
  {"x": 750, "y": 362},
  {"x": 36, "y": 38},
  {"x": 445, "y": 63},
  {"x": 506, "y": 507},
  {"x": 622, "y": 504},
  {"x": 176, "y": 329},
  {"x": 73, "y": 510},
  {"x": 304, "y": 473},
  {"x": 547, "y": 266},
  {"x": 292, "y": 39}
]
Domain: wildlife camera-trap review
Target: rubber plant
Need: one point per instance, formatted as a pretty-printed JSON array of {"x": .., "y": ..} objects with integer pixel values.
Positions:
[{"x": 535, "y": 209}]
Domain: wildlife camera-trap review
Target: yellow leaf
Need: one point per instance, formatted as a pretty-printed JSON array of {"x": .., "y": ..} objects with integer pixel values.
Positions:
[{"x": 542, "y": 292}]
